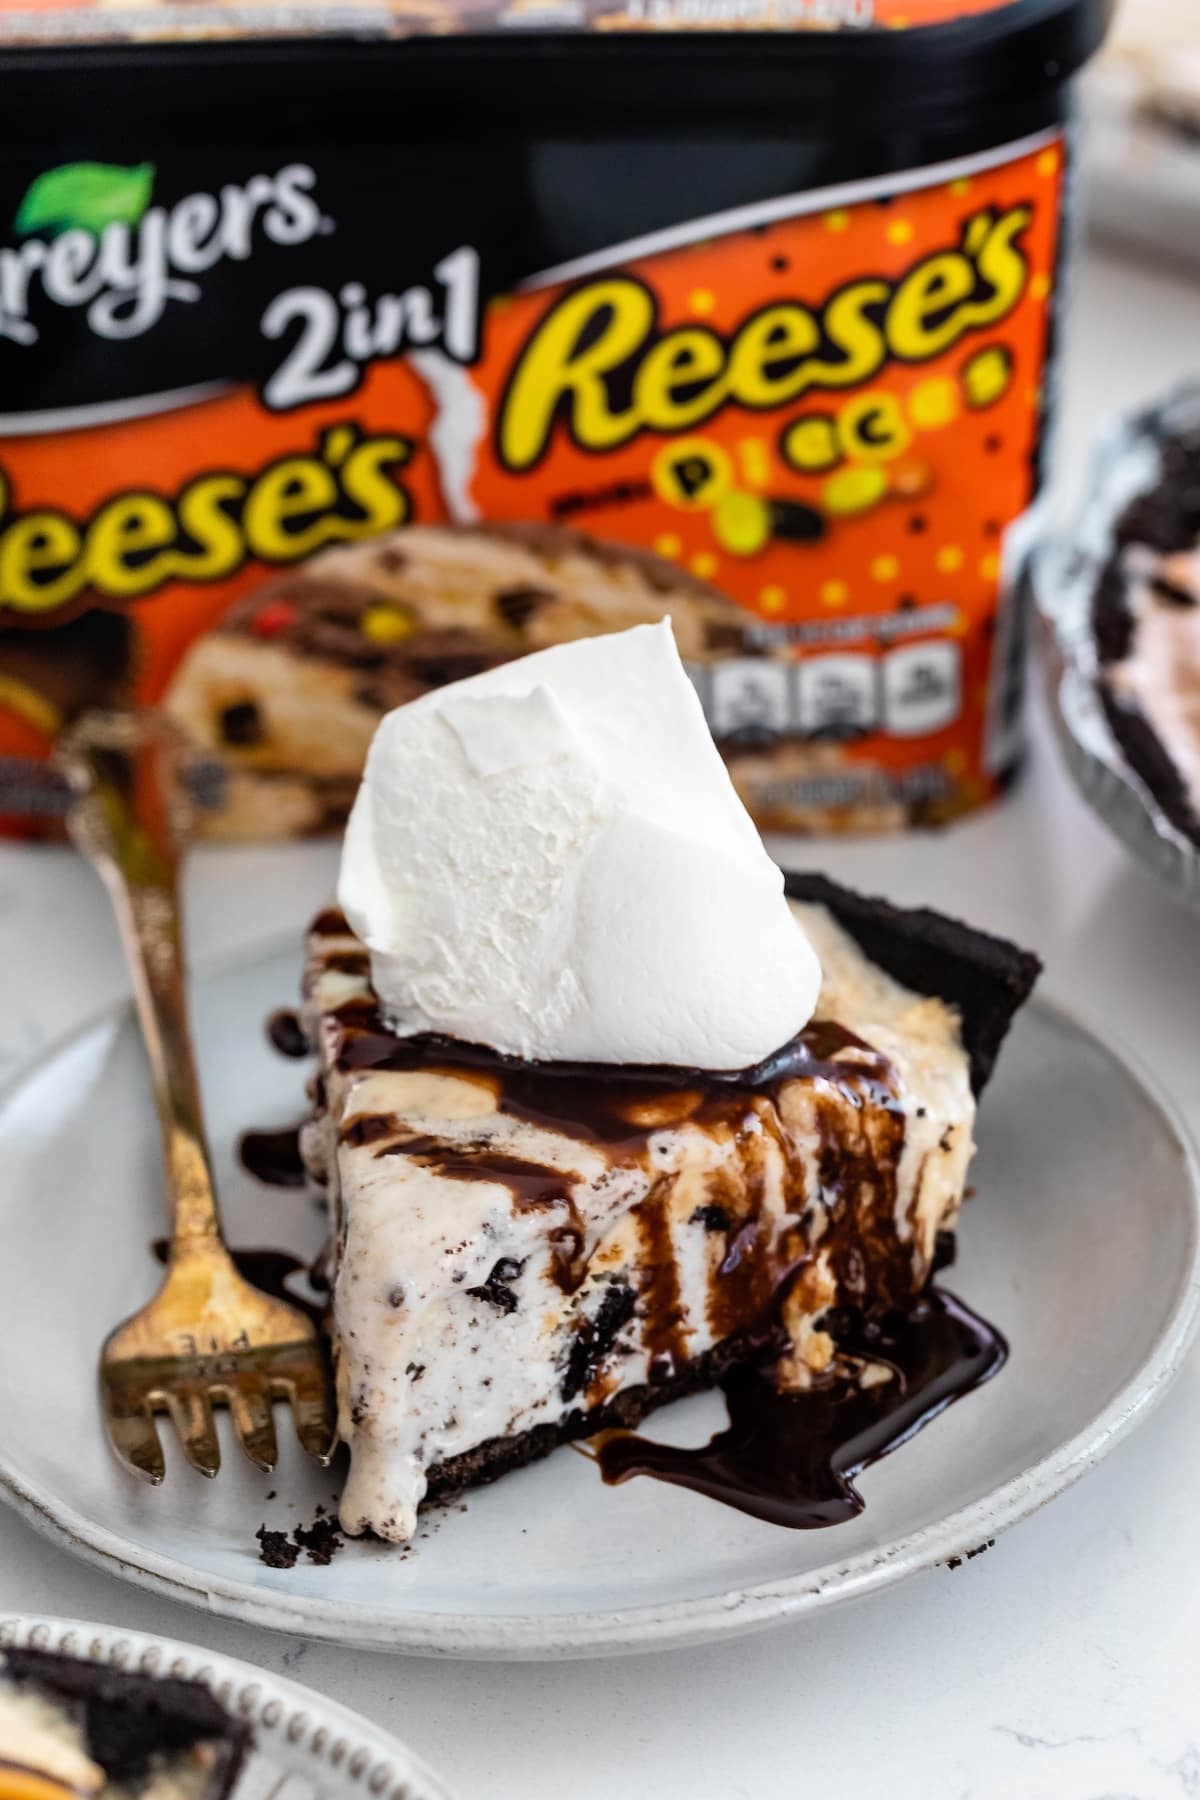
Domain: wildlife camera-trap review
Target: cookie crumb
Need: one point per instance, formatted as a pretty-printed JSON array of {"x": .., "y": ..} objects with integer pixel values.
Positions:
[
  {"x": 320, "y": 1541},
  {"x": 275, "y": 1550}
]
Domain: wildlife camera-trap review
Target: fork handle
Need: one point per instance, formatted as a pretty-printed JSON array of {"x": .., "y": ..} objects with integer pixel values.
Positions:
[{"x": 128, "y": 809}]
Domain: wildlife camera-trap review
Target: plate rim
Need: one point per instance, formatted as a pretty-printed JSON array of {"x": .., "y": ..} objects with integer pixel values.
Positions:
[
  {"x": 363, "y": 1752},
  {"x": 662, "y": 1625}
]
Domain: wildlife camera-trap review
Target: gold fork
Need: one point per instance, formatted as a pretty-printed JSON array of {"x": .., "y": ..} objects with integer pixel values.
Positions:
[{"x": 208, "y": 1337}]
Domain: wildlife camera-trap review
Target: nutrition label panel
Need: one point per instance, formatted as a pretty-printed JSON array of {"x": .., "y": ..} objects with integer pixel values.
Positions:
[{"x": 909, "y": 692}]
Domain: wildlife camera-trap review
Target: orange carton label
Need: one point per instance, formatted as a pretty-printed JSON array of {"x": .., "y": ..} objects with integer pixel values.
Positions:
[
  {"x": 250, "y": 476},
  {"x": 832, "y": 416}
]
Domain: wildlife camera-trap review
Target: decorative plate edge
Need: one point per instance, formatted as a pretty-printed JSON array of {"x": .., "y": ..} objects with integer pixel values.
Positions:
[{"x": 274, "y": 1708}]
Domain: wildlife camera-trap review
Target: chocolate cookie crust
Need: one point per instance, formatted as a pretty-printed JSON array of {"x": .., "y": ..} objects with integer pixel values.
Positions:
[
  {"x": 130, "y": 1717},
  {"x": 985, "y": 978},
  {"x": 1164, "y": 520},
  {"x": 1148, "y": 757},
  {"x": 500, "y": 1456}
]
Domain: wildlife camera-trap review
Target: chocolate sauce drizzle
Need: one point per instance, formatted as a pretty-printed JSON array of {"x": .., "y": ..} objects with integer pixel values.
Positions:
[
  {"x": 367, "y": 1042},
  {"x": 534, "y": 1186},
  {"x": 617, "y": 1108},
  {"x": 330, "y": 923},
  {"x": 273, "y": 1157},
  {"x": 792, "y": 1458},
  {"x": 613, "y": 1104}
]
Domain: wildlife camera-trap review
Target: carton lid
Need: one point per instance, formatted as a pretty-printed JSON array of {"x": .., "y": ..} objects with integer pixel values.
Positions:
[
  {"x": 890, "y": 93},
  {"x": 65, "y": 22}
]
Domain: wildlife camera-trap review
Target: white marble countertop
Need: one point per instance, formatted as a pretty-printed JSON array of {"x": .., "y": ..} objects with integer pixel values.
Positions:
[{"x": 1061, "y": 1666}]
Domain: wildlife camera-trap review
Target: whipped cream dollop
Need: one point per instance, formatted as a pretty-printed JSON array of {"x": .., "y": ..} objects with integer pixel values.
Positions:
[{"x": 550, "y": 859}]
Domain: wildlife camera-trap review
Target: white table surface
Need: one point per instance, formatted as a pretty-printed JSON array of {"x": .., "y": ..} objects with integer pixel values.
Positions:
[{"x": 1061, "y": 1665}]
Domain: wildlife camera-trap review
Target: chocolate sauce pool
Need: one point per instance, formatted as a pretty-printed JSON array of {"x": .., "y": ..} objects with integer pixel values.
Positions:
[
  {"x": 791, "y": 1459},
  {"x": 271, "y": 1272},
  {"x": 287, "y": 1034},
  {"x": 274, "y": 1157}
]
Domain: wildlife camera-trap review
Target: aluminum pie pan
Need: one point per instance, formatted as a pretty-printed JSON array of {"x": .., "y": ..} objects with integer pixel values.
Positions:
[{"x": 1127, "y": 461}]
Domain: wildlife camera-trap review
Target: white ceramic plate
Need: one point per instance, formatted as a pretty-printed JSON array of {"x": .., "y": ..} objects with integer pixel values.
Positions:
[
  {"x": 305, "y": 1747},
  {"x": 1081, "y": 1245}
]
